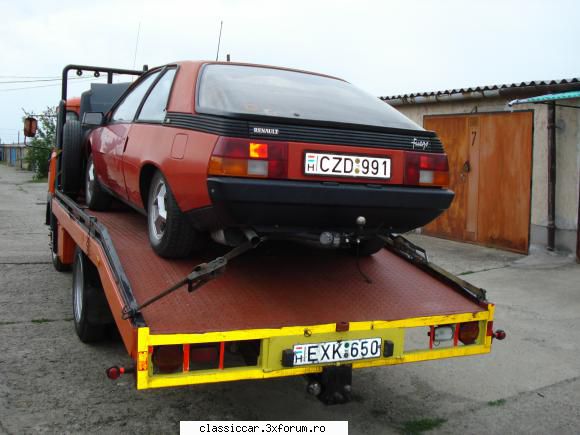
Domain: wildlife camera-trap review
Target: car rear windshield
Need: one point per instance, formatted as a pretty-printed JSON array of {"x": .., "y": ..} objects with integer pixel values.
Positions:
[{"x": 250, "y": 90}]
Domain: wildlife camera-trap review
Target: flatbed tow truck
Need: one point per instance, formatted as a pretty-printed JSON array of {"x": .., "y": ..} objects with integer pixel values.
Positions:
[{"x": 276, "y": 311}]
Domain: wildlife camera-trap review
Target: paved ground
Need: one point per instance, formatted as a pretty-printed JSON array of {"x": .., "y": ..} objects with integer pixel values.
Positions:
[{"x": 50, "y": 382}]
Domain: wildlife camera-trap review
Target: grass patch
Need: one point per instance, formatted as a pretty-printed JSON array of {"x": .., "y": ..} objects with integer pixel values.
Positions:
[
  {"x": 423, "y": 425},
  {"x": 66, "y": 319},
  {"x": 39, "y": 180},
  {"x": 499, "y": 402},
  {"x": 469, "y": 272}
]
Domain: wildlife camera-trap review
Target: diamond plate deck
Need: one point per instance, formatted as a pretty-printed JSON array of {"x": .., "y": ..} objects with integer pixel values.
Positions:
[{"x": 276, "y": 285}]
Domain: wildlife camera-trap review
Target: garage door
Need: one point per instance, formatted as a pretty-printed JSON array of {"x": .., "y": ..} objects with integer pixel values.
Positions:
[{"x": 490, "y": 157}]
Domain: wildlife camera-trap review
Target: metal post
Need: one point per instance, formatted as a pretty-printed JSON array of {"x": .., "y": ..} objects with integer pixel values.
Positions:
[
  {"x": 578, "y": 224},
  {"x": 551, "y": 176}
]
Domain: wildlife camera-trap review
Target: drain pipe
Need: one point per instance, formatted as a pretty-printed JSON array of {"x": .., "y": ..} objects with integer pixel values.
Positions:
[{"x": 551, "y": 176}]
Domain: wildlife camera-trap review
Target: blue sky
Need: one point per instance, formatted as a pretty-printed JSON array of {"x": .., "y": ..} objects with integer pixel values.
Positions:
[{"x": 384, "y": 47}]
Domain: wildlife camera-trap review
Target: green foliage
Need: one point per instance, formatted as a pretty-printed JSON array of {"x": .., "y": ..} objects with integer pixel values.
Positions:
[
  {"x": 499, "y": 402},
  {"x": 41, "y": 145},
  {"x": 423, "y": 425}
]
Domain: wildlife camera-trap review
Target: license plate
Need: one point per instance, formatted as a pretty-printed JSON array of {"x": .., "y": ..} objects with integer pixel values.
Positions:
[
  {"x": 347, "y": 165},
  {"x": 335, "y": 351}
]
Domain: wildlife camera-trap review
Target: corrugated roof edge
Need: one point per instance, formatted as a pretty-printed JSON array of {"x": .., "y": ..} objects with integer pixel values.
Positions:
[{"x": 539, "y": 85}]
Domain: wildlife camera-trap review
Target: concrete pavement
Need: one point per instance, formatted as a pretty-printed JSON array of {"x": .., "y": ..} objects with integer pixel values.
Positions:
[{"x": 52, "y": 383}]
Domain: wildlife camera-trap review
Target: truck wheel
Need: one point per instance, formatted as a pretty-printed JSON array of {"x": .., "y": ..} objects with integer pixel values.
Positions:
[
  {"x": 72, "y": 158},
  {"x": 368, "y": 247},
  {"x": 91, "y": 312},
  {"x": 58, "y": 265},
  {"x": 97, "y": 199},
  {"x": 170, "y": 233}
]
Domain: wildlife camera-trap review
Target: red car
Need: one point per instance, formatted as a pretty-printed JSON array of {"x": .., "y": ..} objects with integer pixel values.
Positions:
[{"x": 218, "y": 148}]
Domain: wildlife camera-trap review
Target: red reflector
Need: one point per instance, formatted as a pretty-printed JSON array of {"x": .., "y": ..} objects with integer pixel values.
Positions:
[
  {"x": 499, "y": 334},
  {"x": 468, "y": 332},
  {"x": 258, "y": 150},
  {"x": 490, "y": 329},
  {"x": 113, "y": 372}
]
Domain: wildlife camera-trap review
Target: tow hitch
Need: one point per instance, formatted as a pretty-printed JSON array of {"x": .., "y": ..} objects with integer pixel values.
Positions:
[{"x": 333, "y": 386}]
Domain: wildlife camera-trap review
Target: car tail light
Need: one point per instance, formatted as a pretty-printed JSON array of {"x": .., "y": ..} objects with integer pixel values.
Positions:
[
  {"x": 468, "y": 332},
  {"x": 426, "y": 169},
  {"x": 238, "y": 157}
]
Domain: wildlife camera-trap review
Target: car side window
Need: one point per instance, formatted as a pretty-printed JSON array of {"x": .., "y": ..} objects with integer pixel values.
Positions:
[
  {"x": 127, "y": 109},
  {"x": 155, "y": 105}
]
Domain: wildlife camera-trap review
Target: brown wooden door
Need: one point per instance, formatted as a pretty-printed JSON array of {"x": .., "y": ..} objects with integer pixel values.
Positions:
[{"x": 490, "y": 159}]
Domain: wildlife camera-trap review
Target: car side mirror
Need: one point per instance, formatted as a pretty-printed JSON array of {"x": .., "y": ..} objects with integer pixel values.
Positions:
[
  {"x": 92, "y": 119},
  {"x": 30, "y": 126}
]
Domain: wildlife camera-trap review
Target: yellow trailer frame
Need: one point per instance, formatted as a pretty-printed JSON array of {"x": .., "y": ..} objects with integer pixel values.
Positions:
[{"x": 273, "y": 341}]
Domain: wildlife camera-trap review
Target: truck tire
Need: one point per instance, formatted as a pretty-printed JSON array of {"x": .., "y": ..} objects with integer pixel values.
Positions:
[
  {"x": 91, "y": 313},
  {"x": 368, "y": 247},
  {"x": 58, "y": 265},
  {"x": 97, "y": 199},
  {"x": 72, "y": 158},
  {"x": 170, "y": 233}
]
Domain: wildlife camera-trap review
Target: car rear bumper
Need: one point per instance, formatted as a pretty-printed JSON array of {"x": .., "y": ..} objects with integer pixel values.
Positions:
[{"x": 282, "y": 204}]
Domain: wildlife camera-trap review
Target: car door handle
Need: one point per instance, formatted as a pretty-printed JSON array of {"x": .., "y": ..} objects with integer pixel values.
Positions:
[{"x": 125, "y": 146}]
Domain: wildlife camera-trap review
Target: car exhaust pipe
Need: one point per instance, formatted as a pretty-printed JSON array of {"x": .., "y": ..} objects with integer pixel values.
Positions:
[
  {"x": 252, "y": 237},
  {"x": 235, "y": 236}
]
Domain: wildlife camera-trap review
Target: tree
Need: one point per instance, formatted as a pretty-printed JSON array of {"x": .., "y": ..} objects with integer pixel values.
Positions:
[{"x": 41, "y": 145}]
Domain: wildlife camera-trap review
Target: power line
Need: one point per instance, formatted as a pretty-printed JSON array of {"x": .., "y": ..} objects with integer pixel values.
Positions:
[
  {"x": 28, "y": 77},
  {"x": 46, "y": 86},
  {"x": 30, "y": 81},
  {"x": 44, "y": 80}
]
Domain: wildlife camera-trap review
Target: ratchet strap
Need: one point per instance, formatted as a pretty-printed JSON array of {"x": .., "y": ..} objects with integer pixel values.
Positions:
[{"x": 199, "y": 276}]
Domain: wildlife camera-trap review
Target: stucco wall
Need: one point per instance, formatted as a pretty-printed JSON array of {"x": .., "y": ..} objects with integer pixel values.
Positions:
[{"x": 568, "y": 159}]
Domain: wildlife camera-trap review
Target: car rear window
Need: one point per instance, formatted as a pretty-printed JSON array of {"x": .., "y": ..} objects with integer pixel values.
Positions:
[{"x": 250, "y": 90}]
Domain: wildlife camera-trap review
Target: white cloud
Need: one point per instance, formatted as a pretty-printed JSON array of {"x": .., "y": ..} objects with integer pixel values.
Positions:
[{"x": 385, "y": 47}]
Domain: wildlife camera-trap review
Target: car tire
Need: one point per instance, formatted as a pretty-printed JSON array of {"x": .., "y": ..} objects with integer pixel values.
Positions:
[
  {"x": 170, "y": 233},
  {"x": 72, "y": 158},
  {"x": 368, "y": 247},
  {"x": 91, "y": 313},
  {"x": 95, "y": 196},
  {"x": 59, "y": 266}
]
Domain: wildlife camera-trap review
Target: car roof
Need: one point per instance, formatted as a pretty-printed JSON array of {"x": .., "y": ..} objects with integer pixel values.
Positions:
[{"x": 199, "y": 63}]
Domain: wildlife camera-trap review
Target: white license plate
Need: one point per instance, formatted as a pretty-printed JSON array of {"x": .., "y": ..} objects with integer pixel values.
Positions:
[
  {"x": 347, "y": 165},
  {"x": 335, "y": 351}
]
